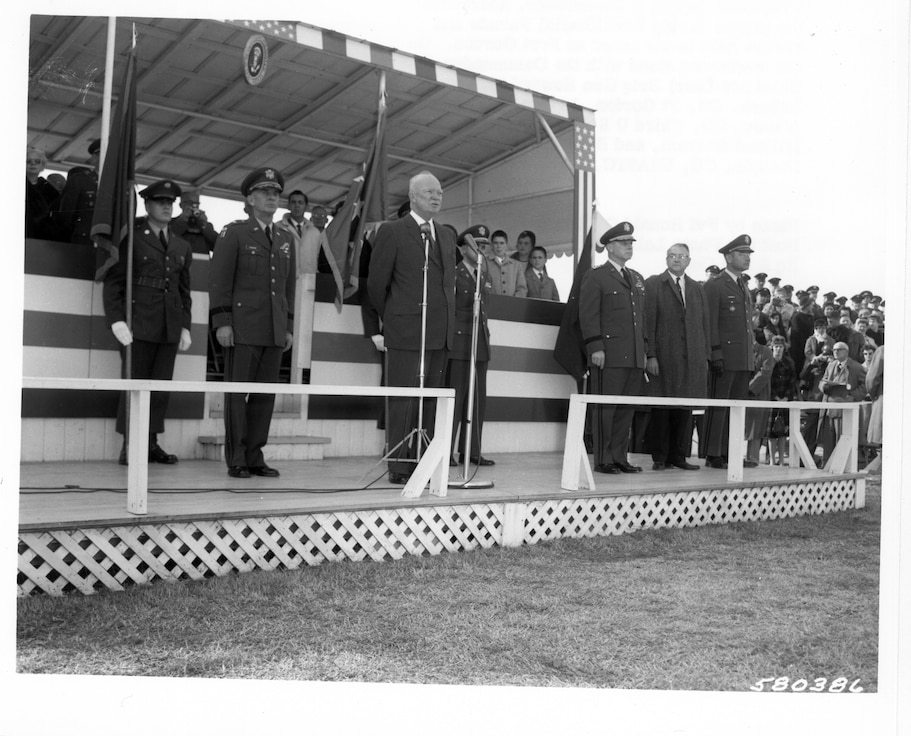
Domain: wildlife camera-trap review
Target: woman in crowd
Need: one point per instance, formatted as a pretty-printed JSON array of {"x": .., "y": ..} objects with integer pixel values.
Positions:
[
  {"x": 783, "y": 388},
  {"x": 775, "y": 327},
  {"x": 757, "y": 420},
  {"x": 41, "y": 198}
]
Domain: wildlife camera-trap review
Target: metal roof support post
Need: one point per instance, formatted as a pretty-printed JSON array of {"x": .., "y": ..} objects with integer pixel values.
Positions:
[{"x": 553, "y": 139}]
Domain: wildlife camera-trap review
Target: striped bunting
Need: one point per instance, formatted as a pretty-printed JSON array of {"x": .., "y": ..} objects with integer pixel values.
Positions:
[{"x": 418, "y": 66}]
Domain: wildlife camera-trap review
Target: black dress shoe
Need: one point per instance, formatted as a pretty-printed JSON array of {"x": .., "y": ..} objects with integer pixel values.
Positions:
[
  {"x": 238, "y": 471},
  {"x": 715, "y": 462},
  {"x": 750, "y": 464},
  {"x": 264, "y": 470},
  {"x": 608, "y": 468},
  {"x": 482, "y": 461},
  {"x": 157, "y": 455},
  {"x": 399, "y": 479},
  {"x": 627, "y": 468},
  {"x": 659, "y": 466},
  {"x": 684, "y": 465}
]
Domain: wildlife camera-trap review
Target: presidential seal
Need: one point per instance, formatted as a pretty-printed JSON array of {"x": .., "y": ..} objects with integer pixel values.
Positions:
[{"x": 256, "y": 56}]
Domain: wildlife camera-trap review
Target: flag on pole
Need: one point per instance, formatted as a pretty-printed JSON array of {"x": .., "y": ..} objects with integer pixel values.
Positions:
[
  {"x": 569, "y": 349},
  {"x": 363, "y": 210},
  {"x": 116, "y": 197}
]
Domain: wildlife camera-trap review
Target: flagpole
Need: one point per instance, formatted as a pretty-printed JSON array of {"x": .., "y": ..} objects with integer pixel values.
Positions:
[
  {"x": 108, "y": 89},
  {"x": 131, "y": 215}
]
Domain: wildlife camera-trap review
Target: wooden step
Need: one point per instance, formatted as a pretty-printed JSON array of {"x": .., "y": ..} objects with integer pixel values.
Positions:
[{"x": 291, "y": 447}]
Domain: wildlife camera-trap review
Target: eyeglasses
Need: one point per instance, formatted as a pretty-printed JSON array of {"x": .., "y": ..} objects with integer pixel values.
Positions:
[{"x": 676, "y": 257}]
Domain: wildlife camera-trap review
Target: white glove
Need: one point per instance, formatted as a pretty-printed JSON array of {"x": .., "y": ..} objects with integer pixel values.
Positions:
[
  {"x": 122, "y": 333},
  {"x": 379, "y": 342},
  {"x": 185, "y": 340}
]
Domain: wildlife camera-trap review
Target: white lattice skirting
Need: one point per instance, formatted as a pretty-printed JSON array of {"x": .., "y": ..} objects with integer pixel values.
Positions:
[{"x": 87, "y": 559}]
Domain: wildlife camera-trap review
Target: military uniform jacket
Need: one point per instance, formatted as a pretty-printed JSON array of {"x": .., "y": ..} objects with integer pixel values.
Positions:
[
  {"x": 730, "y": 327},
  {"x": 161, "y": 287},
  {"x": 464, "y": 316},
  {"x": 251, "y": 283},
  {"x": 612, "y": 316},
  {"x": 395, "y": 285}
]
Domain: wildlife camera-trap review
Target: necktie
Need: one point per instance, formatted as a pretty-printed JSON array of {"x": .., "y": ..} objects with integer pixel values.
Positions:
[
  {"x": 163, "y": 238},
  {"x": 269, "y": 233},
  {"x": 625, "y": 275},
  {"x": 680, "y": 289},
  {"x": 299, "y": 231},
  {"x": 540, "y": 276}
]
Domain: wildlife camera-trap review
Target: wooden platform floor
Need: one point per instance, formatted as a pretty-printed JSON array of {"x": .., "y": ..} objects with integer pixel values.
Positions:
[{"x": 66, "y": 494}]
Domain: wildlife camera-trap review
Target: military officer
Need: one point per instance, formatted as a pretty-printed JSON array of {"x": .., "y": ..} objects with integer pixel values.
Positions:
[
  {"x": 471, "y": 243},
  {"x": 159, "y": 323},
  {"x": 612, "y": 319},
  {"x": 251, "y": 298},
  {"x": 77, "y": 200},
  {"x": 731, "y": 343}
]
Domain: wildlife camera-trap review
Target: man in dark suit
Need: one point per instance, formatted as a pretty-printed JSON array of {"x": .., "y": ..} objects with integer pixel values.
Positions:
[
  {"x": 395, "y": 284},
  {"x": 471, "y": 242},
  {"x": 844, "y": 380},
  {"x": 731, "y": 343},
  {"x": 611, "y": 315},
  {"x": 251, "y": 300},
  {"x": 676, "y": 331},
  {"x": 159, "y": 323}
]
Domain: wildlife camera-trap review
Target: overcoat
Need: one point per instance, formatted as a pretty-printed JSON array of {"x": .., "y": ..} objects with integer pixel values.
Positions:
[{"x": 677, "y": 336}]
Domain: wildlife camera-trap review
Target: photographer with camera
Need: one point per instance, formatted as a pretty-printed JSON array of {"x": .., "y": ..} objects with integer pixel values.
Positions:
[{"x": 192, "y": 224}]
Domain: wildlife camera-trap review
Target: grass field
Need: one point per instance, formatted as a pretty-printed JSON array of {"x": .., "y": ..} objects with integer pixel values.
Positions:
[{"x": 711, "y": 608}]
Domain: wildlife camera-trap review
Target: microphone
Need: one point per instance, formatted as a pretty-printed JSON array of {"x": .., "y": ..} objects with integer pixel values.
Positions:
[{"x": 425, "y": 231}]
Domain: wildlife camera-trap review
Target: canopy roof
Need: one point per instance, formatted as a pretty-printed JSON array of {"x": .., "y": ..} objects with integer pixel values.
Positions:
[{"x": 313, "y": 116}]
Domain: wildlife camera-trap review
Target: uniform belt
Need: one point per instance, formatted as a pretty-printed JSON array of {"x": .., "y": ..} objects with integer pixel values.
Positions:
[{"x": 153, "y": 283}]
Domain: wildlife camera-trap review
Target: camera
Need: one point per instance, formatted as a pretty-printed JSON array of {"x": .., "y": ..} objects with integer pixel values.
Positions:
[{"x": 194, "y": 223}]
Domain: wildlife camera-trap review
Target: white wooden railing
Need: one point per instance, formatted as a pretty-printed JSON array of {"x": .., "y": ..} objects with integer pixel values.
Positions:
[
  {"x": 433, "y": 468},
  {"x": 577, "y": 470}
]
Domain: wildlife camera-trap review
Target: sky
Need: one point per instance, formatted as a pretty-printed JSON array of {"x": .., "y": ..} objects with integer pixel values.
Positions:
[{"x": 783, "y": 119}]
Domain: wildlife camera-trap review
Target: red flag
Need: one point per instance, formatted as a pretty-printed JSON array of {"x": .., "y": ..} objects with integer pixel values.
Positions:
[
  {"x": 364, "y": 207},
  {"x": 116, "y": 198}
]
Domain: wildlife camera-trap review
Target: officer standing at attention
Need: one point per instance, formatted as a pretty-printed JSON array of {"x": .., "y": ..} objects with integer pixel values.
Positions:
[
  {"x": 160, "y": 317},
  {"x": 612, "y": 318},
  {"x": 731, "y": 342},
  {"x": 77, "y": 200},
  {"x": 251, "y": 298}
]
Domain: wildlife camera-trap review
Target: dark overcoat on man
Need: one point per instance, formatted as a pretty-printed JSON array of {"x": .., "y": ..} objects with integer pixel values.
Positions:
[
  {"x": 730, "y": 340},
  {"x": 160, "y": 309},
  {"x": 543, "y": 287},
  {"x": 251, "y": 288},
  {"x": 77, "y": 204},
  {"x": 395, "y": 285},
  {"x": 677, "y": 337},
  {"x": 611, "y": 316}
]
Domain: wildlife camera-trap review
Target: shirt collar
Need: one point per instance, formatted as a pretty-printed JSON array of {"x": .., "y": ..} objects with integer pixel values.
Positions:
[{"x": 420, "y": 221}]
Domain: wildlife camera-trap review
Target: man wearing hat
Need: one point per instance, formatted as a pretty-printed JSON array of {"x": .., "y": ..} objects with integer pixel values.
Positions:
[
  {"x": 711, "y": 272},
  {"x": 159, "y": 323},
  {"x": 251, "y": 302},
  {"x": 760, "y": 283},
  {"x": 471, "y": 243},
  {"x": 612, "y": 320},
  {"x": 77, "y": 200},
  {"x": 731, "y": 344},
  {"x": 395, "y": 285}
]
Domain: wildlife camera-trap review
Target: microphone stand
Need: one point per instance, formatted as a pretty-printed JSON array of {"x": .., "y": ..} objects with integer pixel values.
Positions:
[
  {"x": 425, "y": 236},
  {"x": 472, "y": 377}
]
